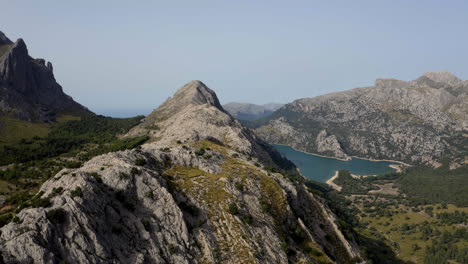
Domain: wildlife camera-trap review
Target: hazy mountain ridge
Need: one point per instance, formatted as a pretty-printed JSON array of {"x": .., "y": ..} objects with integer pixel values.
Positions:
[
  {"x": 247, "y": 111},
  {"x": 416, "y": 121},
  {"x": 28, "y": 89},
  {"x": 204, "y": 190}
]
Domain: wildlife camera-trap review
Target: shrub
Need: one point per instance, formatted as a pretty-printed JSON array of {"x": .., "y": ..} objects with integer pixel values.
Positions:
[
  {"x": 165, "y": 149},
  {"x": 248, "y": 219},
  {"x": 37, "y": 201},
  {"x": 73, "y": 164},
  {"x": 77, "y": 192},
  {"x": 271, "y": 169},
  {"x": 233, "y": 209},
  {"x": 96, "y": 176},
  {"x": 149, "y": 194},
  {"x": 200, "y": 152},
  {"x": 140, "y": 161},
  {"x": 135, "y": 171},
  {"x": 56, "y": 216},
  {"x": 57, "y": 191},
  {"x": 123, "y": 175},
  {"x": 239, "y": 186}
]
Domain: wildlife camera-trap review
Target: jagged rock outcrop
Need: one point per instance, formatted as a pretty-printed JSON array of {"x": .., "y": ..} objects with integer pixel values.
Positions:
[
  {"x": 28, "y": 89},
  {"x": 417, "y": 121},
  {"x": 246, "y": 111},
  {"x": 191, "y": 199}
]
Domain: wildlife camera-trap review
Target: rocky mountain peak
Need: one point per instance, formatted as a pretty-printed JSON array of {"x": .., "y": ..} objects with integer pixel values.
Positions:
[
  {"x": 28, "y": 89},
  {"x": 443, "y": 77},
  {"x": 194, "y": 93},
  {"x": 197, "y": 93},
  {"x": 4, "y": 40}
]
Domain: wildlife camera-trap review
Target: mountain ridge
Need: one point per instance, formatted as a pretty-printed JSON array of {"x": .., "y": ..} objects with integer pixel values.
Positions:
[
  {"x": 248, "y": 111},
  {"x": 204, "y": 189},
  {"x": 410, "y": 121}
]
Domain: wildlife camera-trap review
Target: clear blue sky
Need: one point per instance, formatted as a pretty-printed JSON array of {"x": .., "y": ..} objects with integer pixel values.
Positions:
[{"x": 126, "y": 57}]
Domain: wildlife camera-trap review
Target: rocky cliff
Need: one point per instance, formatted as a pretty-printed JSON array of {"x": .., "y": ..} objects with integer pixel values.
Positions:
[
  {"x": 246, "y": 111},
  {"x": 28, "y": 89},
  {"x": 204, "y": 190},
  {"x": 418, "y": 121}
]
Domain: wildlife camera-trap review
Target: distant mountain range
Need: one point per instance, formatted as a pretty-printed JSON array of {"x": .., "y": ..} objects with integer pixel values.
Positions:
[
  {"x": 246, "y": 111},
  {"x": 420, "y": 121}
]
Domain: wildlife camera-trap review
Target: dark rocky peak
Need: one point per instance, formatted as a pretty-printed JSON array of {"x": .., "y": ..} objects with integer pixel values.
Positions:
[
  {"x": 15, "y": 67},
  {"x": 443, "y": 77},
  {"x": 4, "y": 40},
  {"x": 28, "y": 85}
]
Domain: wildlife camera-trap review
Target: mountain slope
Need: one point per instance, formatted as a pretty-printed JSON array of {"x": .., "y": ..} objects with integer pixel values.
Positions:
[
  {"x": 28, "y": 89},
  {"x": 418, "y": 121},
  {"x": 246, "y": 111},
  {"x": 205, "y": 190}
]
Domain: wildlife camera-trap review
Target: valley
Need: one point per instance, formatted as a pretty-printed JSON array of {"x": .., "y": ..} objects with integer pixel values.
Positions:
[{"x": 198, "y": 182}]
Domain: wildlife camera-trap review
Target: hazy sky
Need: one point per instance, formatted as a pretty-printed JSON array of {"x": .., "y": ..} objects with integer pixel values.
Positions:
[{"x": 126, "y": 57}]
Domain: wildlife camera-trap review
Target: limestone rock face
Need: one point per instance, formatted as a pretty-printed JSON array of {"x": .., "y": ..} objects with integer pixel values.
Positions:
[
  {"x": 28, "y": 89},
  {"x": 327, "y": 143},
  {"x": 416, "y": 121},
  {"x": 205, "y": 190}
]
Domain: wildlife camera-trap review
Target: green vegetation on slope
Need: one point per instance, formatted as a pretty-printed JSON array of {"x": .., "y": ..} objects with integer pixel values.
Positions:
[
  {"x": 420, "y": 224},
  {"x": 68, "y": 144},
  {"x": 13, "y": 130},
  {"x": 72, "y": 136},
  {"x": 424, "y": 185}
]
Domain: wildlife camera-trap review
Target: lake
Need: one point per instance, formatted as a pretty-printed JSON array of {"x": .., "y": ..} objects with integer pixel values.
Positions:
[{"x": 321, "y": 168}]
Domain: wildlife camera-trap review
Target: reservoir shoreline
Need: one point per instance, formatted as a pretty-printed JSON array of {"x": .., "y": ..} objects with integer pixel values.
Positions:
[
  {"x": 330, "y": 157},
  {"x": 325, "y": 169}
]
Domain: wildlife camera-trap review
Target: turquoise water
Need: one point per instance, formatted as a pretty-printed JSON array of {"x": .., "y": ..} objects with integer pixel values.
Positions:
[{"x": 321, "y": 169}]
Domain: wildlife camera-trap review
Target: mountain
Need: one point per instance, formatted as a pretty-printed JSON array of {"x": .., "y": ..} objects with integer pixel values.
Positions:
[
  {"x": 419, "y": 121},
  {"x": 28, "y": 89},
  {"x": 204, "y": 189},
  {"x": 246, "y": 111}
]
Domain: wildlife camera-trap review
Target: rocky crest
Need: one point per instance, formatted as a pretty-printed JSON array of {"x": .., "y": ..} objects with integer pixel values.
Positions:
[
  {"x": 28, "y": 89},
  {"x": 417, "y": 121},
  {"x": 194, "y": 113},
  {"x": 245, "y": 111},
  {"x": 205, "y": 190}
]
